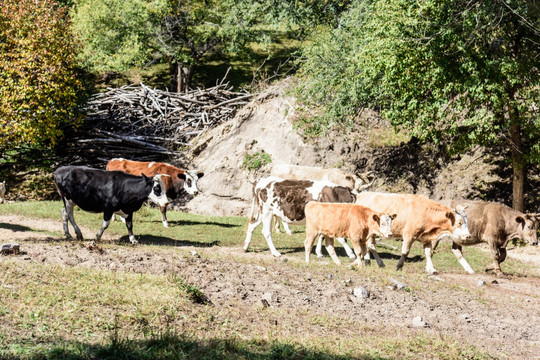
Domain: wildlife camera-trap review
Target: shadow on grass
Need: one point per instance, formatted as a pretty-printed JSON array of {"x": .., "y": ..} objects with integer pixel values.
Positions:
[
  {"x": 165, "y": 241},
  {"x": 15, "y": 227},
  {"x": 181, "y": 347},
  {"x": 197, "y": 223}
]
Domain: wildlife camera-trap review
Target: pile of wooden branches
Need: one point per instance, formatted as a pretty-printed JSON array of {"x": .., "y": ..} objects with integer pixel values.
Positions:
[{"x": 144, "y": 123}]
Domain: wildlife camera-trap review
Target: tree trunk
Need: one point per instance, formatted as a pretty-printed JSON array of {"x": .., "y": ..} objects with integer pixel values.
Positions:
[
  {"x": 173, "y": 75},
  {"x": 518, "y": 162}
]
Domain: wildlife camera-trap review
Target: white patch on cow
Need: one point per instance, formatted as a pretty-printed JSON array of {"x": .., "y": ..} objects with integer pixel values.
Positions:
[
  {"x": 385, "y": 226},
  {"x": 190, "y": 184},
  {"x": 461, "y": 232},
  {"x": 317, "y": 187},
  {"x": 162, "y": 199}
]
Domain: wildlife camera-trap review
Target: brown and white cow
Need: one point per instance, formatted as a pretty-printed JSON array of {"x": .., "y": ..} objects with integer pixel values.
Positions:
[
  {"x": 495, "y": 224},
  {"x": 178, "y": 180},
  {"x": 287, "y": 199},
  {"x": 418, "y": 218},
  {"x": 357, "y": 183},
  {"x": 355, "y": 222}
]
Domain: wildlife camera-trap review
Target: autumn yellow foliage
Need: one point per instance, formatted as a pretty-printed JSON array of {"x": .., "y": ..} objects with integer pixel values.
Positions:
[{"x": 39, "y": 83}]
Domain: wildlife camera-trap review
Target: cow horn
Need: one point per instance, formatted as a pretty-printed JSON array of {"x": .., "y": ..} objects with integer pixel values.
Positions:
[{"x": 365, "y": 186}]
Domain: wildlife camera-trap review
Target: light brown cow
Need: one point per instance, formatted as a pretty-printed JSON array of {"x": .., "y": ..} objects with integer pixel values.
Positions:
[
  {"x": 495, "y": 224},
  {"x": 178, "y": 180},
  {"x": 418, "y": 218},
  {"x": 355, "y": 222},
  {"x": 339, "y": 177}
]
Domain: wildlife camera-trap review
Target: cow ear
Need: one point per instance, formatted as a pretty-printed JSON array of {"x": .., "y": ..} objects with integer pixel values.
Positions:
[
  {"x": 520, "y": 220},
  {"x": 200, "y": 174},
  {"x": 182, "y": 176},
  {"x": 452, "y": 217},
  {"x": 393, "y": 216},
  {"x": 376, "y": 218}
]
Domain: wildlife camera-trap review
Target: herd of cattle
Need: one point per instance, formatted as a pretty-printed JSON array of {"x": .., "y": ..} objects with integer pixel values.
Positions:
[{"x": 333, "y": 204}]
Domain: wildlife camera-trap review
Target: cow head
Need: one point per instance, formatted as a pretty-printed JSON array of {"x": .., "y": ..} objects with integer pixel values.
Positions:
[
  {"x": 459, "y": 224},
  {"x": 527, "y": 226},
  {"x": 385, "y": 224},
  {"x": 190, "y": 178},
  {"x": 157, "y": 194}
]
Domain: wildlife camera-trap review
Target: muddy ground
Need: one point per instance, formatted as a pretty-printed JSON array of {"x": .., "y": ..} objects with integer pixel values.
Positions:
[{"x": 502, "y": 317}]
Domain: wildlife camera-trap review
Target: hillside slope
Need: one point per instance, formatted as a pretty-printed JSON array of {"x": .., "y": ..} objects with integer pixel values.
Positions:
[{"x": 266, "y": 124}]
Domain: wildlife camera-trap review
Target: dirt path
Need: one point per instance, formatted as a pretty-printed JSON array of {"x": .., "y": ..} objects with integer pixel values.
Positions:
[{"x": 502, "y": 316}]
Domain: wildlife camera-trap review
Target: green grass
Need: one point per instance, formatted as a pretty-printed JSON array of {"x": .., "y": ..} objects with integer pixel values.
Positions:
[
  {"x": 55, "y": 312},
  {"x": 63, "y": 312},
  {"x": 229, "y": 231}
]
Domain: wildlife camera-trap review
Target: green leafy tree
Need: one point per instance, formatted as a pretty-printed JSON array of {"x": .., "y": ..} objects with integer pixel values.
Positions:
[
  {"x": 459, "y": 71},
  {"x": 119, "y": 34},
  {"x": 116, "y": 35},
  {"x": 39, "y": 84}
]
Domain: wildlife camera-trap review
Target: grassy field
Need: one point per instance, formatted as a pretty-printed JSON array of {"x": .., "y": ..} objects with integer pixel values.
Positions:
[{"x": 71, "y": 312}]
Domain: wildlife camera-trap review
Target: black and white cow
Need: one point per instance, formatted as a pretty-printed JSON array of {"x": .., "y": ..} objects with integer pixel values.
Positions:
[
  {"x": 287, "y": 199},
  {"x": 106, "y": 192}
]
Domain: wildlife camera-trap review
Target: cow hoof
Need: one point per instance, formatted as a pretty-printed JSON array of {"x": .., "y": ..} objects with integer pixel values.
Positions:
[
  {"x": 276, "y": 254},
  {"x": 166, "y": 224},
  {"x": 320, "y": 256},
  {"x": 367, "y": 262}
]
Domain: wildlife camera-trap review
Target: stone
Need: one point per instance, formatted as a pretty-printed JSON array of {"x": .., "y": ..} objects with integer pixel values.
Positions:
[
  {"x": 481, "y": 283},
  {"x": 361, "y": 292},
  {"x": 398, "y": 284},
  {"x": 10, "y": 249},
  {"x": 418, "y": 322}
]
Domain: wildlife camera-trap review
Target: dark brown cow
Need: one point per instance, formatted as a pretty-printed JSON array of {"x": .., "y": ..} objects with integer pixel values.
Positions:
[
  {"x": 178, "y": 180},
  {"x": 287, "y": 199},
  {"x": 495, "y": 224},
  {"x": 418, "y": 218},
  {"x": 355, "y": 222}
]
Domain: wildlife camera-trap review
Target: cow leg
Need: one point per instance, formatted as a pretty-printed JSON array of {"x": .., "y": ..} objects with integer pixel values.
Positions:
[
  {"x": 65, "y": 218},
  {"x": 308, "y": 243},
  {"x": 267, "y": 233},
  {"x": 347, "y": 248},
  {"x": 373, "y": 250},
  {"x": 276, "y": 224},
  {"x": 106, "y": 221},
  {"x": 361, "y": 251},
  {"x": 429, "y": 263},
  {"x": 164, "y": 215},
  {"x": 68, "y": 207},
  {"x": 331, "y": 250},
  {"x": 405, "y": 249},
  {"x": 457, "y": 250},
  {"x": 343, "y": 242},
  {"x": 251, "y": 228},
  {"x": 318, "y": 248},
  {"x": 499, "y": 255},
  {"x": 129, "y": 225},
  {"x": 286, "y": 228}
]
